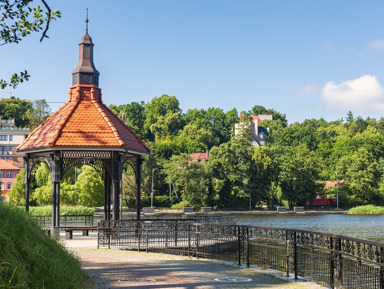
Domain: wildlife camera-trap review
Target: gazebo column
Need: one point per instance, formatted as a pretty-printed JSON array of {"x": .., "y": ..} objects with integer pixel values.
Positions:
[
  {"x": 107, "y": 195},
  {"x": 56, "y": 165},
  {"x": 139, "y": 161},
  {"x": 117, "y": 172},
  {"x": 27, "y": 181}
]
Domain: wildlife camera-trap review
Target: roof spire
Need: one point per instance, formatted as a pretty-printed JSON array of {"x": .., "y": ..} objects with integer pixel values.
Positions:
[
  {"x": 85, "y": 71},
  {"x": 86, "y": 22}
]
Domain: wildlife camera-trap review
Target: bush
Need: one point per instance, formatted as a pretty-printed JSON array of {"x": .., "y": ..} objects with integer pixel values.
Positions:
[
  {"x": 162, "y": 201},
  {"x": 181, "y": 205},
  {"x": 31, "y": 259},
  {"x": 366, "y": 210},
  {"x": 64, "y": 211}
]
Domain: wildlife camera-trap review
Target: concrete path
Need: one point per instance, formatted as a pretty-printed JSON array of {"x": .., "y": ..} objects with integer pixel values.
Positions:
[{"x": 127, "y": 269}]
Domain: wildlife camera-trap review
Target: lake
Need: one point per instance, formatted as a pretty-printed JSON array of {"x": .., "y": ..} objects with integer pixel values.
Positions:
[{"x": 364, "y": 227}]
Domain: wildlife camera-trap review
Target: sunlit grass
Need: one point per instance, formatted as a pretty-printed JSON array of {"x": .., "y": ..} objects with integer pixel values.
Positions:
[{"x": 31, "y": 259}]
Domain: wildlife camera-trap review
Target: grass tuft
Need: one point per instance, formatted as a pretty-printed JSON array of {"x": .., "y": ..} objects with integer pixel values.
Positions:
[{"x": 31, "y": 259}]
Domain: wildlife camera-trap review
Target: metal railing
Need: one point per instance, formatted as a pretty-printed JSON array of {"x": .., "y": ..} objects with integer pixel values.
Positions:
[
  {"x": 331, "y": 260},
  {"x": 66, "y": 221}
]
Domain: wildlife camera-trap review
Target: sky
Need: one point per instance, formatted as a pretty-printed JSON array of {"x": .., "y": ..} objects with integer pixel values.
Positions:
[{"x": 304, "y": 58}]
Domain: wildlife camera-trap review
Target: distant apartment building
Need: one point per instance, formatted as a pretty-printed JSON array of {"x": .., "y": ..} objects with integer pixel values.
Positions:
[
  {"x": 10, "y": 138},
  {"x": 258, "y": 133},
  {"x": 8, "y": 174}
]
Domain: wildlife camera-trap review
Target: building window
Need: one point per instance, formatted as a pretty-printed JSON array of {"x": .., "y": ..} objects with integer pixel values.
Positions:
[
  {"x": 261, "y": 136},
  {"x": 9, "y": 174},
  {"x": 3, "y": 137},
  {"x": 9, "y": 186},
  {"x": 2, "y": 186},
  {"x": 1, "y": 174},
  {"x": 11, "y": 137}
]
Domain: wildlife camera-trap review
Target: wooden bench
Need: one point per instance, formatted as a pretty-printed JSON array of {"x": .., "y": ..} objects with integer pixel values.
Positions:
[{"x": 69, "y": 230}]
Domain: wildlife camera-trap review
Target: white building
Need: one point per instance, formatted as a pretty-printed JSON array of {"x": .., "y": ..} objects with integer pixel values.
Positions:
[
  {"x": 259, "y": 133},
  {"x": 10, "y": 138}
]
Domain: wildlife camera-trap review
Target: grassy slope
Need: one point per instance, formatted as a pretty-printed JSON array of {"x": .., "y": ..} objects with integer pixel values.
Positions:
[{"x": 30, "y": 259}]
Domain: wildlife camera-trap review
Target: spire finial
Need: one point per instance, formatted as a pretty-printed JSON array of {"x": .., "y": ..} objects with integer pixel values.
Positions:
[{"x": 86, "y": 22}]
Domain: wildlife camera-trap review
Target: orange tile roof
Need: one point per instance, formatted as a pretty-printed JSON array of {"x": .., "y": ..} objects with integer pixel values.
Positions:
[
  {"x": 196, "y": 157},
  {"x": 5, "y": 165},
  {"x": 83, "y": 121}
]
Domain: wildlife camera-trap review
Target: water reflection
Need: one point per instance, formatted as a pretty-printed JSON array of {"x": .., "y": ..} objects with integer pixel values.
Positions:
[{"x": 364, "y": 227}]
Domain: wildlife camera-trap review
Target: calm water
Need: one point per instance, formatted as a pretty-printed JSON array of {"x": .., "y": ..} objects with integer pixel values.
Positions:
[{"x": 364, "y": 227}]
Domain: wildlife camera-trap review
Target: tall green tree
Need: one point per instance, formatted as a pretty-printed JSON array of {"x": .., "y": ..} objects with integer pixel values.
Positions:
[
  {"x": 160, "y": 107},
  {"x": 38, "y": 113},
  {"x": 361, "y": 174},
  {"x": 15, "y": 108},
  {"x": 190, "y": 177},
  {"x": 299, "y": 170}
]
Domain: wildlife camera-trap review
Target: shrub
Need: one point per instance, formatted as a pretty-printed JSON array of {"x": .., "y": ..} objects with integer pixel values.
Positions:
[
  {"x": 162, "y": 201},
  {"x": 366, "y": 210},
  {"x": 64, "y": 211},
  {"x": 181, "y": 205}
]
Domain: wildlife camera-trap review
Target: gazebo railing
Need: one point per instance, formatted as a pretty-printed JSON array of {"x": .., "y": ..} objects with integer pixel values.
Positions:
[{"x": 331, "y": 260}]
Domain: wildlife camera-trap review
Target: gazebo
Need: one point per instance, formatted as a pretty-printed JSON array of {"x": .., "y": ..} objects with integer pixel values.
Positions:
[{"x": 84, "y": 131}]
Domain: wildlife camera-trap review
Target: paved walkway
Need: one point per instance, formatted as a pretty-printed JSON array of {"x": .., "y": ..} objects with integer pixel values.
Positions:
[{"x": 128, "y": 269}]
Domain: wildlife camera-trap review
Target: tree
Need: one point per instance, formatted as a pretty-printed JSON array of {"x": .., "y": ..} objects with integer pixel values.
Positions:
[
  {"x": 259, "y": 109},
  {"x": 19, "y": 20},
  {"x": 15, "y": 108},
  {"x": 90, "y": 187},
  {"x": 43, "y": 192},
  {"x": 17, "y": 194},
  {"x": 190, "y": 176},
  {"x": 38, "y": 113},
  {"x": 132, "y": 114},
  {"x": 299, "y": 170},
  {"x": 232, "y": 173},
  {"x": 361, "y": 174},
  {"x": 160, "y": 107}
]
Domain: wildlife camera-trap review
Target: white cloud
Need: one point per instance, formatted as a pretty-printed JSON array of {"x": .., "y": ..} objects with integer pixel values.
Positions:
[
  {"x": 376, "y": 45},
  {"x": 363, "y": 94},
  {"x": 306, "y": 89}
]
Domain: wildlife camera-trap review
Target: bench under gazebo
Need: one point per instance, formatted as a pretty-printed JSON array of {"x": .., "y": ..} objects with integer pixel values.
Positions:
[{"x": 84, "y": 131}]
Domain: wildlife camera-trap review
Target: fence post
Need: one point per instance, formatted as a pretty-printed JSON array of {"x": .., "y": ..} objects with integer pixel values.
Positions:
[
  {"x": 197, "y": 241},
  {"x": 340, "y": 259},
  {"x": 189, "y": 240},
  {"x": 381, "y": 268},
  {"x": 146, "y": 238},
  {"x": 295, "y": 254},
  {"x": 176, "y": 233},
  {"x": 332, "y": 265},
  {"x": 287, "y": 252},
  {"x": 247, "y": 246},
  {"x": 239, "y": 245}
]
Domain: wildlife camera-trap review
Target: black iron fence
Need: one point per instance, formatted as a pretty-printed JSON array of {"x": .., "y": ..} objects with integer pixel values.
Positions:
[
  {"x": 331, "y": 260},
  {"x": 66, "y": 221}
]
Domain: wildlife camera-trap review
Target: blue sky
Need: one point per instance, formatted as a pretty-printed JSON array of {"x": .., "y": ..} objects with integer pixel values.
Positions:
[{"x": 307, "y": 59}]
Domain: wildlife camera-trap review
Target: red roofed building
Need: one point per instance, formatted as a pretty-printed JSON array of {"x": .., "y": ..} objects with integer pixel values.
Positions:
[
  {"x": 8, "y": 174},
  {"x": 198, "y": 157},
  {"x": 85, "y": 131}
]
